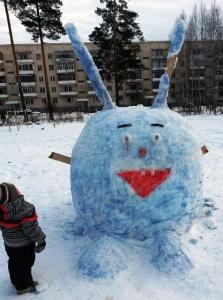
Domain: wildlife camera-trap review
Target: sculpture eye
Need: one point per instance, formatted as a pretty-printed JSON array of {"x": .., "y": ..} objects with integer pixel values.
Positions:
[
  {"x": 157, "y": 138},
  {"x": 126, "y": 140}
]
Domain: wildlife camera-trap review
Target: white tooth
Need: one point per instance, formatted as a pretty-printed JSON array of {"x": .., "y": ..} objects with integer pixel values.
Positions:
[{"x": 142, "y": 172}]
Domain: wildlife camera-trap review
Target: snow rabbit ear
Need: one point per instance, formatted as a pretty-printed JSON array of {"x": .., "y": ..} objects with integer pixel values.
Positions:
[
  {"x": 177, "y": 41},
  {"x": 89, "y": 66}
]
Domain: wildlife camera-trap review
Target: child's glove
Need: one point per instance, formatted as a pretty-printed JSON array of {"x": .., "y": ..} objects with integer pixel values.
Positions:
[{"x": 40, "y": 246}]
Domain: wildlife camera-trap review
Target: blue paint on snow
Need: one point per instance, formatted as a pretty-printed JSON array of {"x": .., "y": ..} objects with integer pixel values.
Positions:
[
  {"x": 177, "y": 38},
  {"x": 89, "y": 66},
  {"x": 161, "y": 98}
]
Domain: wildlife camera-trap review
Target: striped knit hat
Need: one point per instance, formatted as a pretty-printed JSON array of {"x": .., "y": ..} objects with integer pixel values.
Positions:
[{"x": 8, "y": 192}]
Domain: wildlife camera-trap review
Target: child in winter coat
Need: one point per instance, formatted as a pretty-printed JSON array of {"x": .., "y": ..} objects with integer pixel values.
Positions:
[{"x": 22, "y": 237}]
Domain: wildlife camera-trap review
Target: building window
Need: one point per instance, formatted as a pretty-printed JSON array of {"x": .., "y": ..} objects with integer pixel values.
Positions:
[
  {"x": 109, "y": 88},
  {"x": 38, "y": 56},
  {"x": 24, "y": 55},
  {"x": 66, "y": 77},
  {"x": 54, "y": 100},
  {"x": 41, "y": 78},
  {"x": 27, "y": 78},
  {"x": 51, "y": 67},
  {"x": 68, "y": 100},
  {"x": 90, "y": 87},
  {"x": 52, "y": 78},
  {"x": 40, "y": 67},
  {"x": 30, "y": 101},
  {"x": 68, "y": 88},
  {"x": 44, "y": 100},
  {"x": 26, "y": 67},
  {"x": 65, "y": 65},
  {"x": 42, "y": 90},
  {"x": 29, "y": 90},
  {"x": 50, "y": 56},
  {"x": 64, "y": 54},
  {"x": 54, "y": 89},
  {"x": 95, "y": 99}
]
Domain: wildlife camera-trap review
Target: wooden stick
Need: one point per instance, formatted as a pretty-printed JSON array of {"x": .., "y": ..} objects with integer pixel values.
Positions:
[
  {"x": 60, "y": 157},
  {"x": 66, "y": 159},
  {"x": 171, "y": 64},
  {"x": 204, "y": 150}
]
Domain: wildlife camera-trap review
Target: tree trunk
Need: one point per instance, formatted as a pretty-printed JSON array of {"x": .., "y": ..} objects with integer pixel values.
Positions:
[
  {"x": 50, "y": 108},
  {"x": 115, "y": 54},
  {"x": 15, "y": 62}
]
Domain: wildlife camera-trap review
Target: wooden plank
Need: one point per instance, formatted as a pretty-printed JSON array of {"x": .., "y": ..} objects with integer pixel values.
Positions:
[
  {"x": 60, "y": 157},
  {"x": 66, "y": 159},
  {"x": 204, "y": 150}
]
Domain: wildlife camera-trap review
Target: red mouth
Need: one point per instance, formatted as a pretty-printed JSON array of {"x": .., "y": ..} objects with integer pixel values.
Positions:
[{"x": 144, "y": 182}]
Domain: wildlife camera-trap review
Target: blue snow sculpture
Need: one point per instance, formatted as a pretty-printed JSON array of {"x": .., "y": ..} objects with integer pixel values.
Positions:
[{"x": 135, "y": 174}]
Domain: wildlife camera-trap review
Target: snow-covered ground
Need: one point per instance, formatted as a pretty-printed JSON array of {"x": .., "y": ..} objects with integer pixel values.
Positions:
[{"x": 24, "y": 161}]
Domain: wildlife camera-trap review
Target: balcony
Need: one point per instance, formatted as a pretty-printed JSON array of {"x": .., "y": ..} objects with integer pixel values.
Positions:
[
  {"x": 3, "y": 96},
  {"x": 2, "y": 73},
  {"x": 27, "y": 72},
  {"x": 28, "y": 83},
  {"x": 159, "y": 56},
  {"x": 67, "y": 82},
  {"x": 29, "y": 94},
  {"x": 2, "y": 84},
  {"x": 68, "y": 93},
  {"x": 1, "y": 61},
  {"x": 65, "y": 70},
  {"x": 156, "y": 79},
  {"x": 198, "y": 67},
  {"x": 155, "y": 68},
  {"x": 91, "y": 93},
  {"x": 197, "y": 78},
  {"x": 134, "y": 91},
  {"x": 155, "y": 90},
  {"x": 148, "y": 97},
  {"x": 62, "y": 59},
  {"x": 135, "y": 80},
  {"x": 25, "y": 61}
]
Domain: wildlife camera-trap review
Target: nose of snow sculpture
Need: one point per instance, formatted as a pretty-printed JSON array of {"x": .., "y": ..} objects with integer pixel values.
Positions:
[{"x": 135, "y": 173}]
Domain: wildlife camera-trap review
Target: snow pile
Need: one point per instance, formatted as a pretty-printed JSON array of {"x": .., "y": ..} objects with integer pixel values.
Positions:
[{"x": 24, "y": 161}]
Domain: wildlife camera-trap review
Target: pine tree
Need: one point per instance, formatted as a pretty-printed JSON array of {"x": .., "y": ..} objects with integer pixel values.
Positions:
[
  {"x": 12, "y": 5},
  {"x": 43, "y": 20},
  {"x": 115, "y": 38}
]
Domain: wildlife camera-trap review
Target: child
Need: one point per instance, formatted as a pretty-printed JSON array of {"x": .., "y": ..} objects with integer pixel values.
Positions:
[{"x": 22, "y": 237}]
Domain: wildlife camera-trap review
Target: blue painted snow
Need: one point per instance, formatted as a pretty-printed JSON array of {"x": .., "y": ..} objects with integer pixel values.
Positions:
[
  {"x": 177, "y": 38},
  {"x": 161, "y": 98},
  {"x": 109, "y": 210},
  {"x": 89, "y": 66}
]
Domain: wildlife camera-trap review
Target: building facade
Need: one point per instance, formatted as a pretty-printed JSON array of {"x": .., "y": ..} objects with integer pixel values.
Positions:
[{"x": 197, "y": 80}]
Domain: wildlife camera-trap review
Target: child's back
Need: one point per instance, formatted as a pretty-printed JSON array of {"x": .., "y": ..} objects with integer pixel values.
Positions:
[{"x": 22, "y": 235}]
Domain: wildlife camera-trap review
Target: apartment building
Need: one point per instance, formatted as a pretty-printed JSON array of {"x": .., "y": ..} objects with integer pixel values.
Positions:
[{"x": 197, "y": 80}]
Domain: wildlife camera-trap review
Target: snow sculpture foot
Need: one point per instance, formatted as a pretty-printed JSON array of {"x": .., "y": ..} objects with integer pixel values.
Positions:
[
  {"x": 78, "y": 227},
  {"x": 104, "y": 258},
  {"x": 168, "y": 256}
]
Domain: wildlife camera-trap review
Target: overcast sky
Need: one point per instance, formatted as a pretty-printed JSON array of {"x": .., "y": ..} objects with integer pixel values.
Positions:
[{"x": 156, "y": 17}]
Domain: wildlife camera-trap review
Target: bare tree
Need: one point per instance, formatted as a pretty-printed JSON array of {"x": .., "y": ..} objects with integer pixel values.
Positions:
[{"x": 205, "y": 24}]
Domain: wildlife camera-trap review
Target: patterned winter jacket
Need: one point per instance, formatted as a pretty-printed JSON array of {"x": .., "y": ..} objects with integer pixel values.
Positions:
[{"x": 18, "y": 223}]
